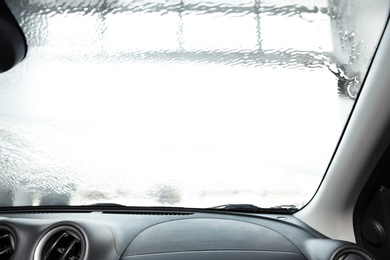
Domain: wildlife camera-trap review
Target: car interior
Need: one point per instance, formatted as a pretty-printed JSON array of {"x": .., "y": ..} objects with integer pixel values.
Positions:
[{"x": 347, "y": 217}]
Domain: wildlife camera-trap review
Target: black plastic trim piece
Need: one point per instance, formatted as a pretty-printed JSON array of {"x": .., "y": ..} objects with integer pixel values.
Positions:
[
  {"x": 13, "y": 44},
  {"x": 379, "y": 178}
]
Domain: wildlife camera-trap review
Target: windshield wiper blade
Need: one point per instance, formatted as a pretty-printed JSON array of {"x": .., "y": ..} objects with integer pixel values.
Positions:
[
  {"x": 287, "y": 207},
  {"x": 104, "y": 204},
  {"x": 238, "y": 207},
  {"x": 256, "y": 209}
]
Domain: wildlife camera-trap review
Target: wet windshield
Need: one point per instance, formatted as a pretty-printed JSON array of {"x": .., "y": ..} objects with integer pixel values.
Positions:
[{"x": 180, "y": 102}]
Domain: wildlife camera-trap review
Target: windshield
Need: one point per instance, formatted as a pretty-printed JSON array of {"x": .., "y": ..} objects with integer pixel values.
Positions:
[{"x": 185, "y": 103}]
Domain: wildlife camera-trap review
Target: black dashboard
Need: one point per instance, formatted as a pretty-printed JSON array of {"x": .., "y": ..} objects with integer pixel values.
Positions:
[{"x": 164, "y": 234}]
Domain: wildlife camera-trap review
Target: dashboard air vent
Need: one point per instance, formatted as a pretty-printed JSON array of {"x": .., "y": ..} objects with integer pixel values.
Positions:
[
  {"x": 7, "y": 244},
  {"x": 352, "y": 254},
  {"x": 61, "y": 243}
]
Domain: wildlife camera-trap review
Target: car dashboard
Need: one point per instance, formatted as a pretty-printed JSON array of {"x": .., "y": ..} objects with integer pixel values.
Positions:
[
  {"x": 107, "y": 233},
  {"x": 164, "y": 234}
]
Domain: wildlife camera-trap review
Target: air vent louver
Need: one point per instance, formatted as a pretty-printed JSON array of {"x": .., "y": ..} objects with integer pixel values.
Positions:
[
  {"x": 61, "y": 243},
  {"x": 7, "y": 244}
]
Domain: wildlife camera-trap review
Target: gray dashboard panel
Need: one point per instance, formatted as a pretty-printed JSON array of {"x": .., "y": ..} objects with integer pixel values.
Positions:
[
  {"x": 223, "y": 255},
  {"x": 126, "y": 234}
]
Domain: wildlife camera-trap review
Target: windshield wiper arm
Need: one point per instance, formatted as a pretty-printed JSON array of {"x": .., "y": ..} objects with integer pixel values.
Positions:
[
  {"x": 238, "y": 207},
  {"x": 104, "y": 204},
  {"x": 286, "y": 207},
  {"x": 253, "y": 208}
]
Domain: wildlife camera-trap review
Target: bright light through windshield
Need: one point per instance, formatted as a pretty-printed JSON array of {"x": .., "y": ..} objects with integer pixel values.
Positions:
[{"x": 180, "y": 102}]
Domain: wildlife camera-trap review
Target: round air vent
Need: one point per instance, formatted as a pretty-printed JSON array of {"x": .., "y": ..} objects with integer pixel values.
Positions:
[
  {"x": 65, "y": 243},
  {"x": 351, "y": 253},
  {"x": 7, "y": 244}
]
